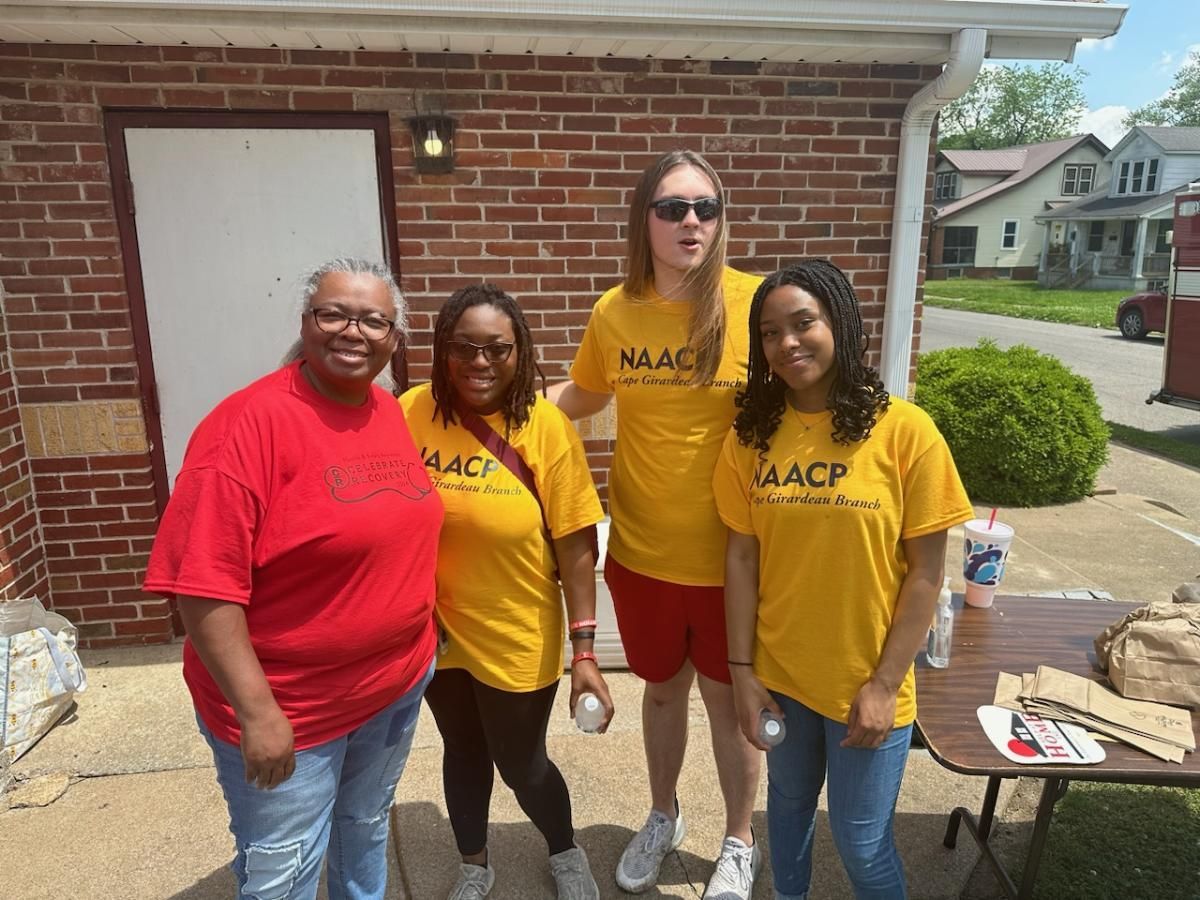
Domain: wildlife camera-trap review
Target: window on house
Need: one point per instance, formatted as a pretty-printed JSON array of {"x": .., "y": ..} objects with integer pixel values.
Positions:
[
  {"x": 1095, "y": 241},
  {"x": 1138, "y": 176},
  {"x": 1078, "y": 179},
  {"x": 1087, "y": 177},
  {"x": 945, "y": 186},
  {"x": 958, "y": 246},
  {"x": 1008, "y": 234},
  {"x": 1160, "y": 239}
]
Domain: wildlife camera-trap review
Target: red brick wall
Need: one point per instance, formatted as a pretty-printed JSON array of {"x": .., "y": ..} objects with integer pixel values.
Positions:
[
  {"x": 548, "y": 149},
  {"x": 22, "y": 561}
]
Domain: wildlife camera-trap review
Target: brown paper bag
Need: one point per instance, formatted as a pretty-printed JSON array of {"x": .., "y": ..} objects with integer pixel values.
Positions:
[{"x": 1153, "y": 653}]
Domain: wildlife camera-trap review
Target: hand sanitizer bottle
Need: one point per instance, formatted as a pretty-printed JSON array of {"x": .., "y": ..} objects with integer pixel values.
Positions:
[{"x": 938, "y": 651}]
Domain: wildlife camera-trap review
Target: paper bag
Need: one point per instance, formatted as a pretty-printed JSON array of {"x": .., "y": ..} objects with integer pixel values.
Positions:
[{"x": 1154, "y": 654}]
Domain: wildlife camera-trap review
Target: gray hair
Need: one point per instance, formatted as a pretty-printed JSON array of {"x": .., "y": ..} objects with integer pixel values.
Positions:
[
  {"x": 311, "y": 282},
  {"x": 353, "y": 265}
]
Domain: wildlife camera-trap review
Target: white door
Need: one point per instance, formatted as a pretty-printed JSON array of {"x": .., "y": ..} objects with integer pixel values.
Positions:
[{"x": 227, "y": 220}]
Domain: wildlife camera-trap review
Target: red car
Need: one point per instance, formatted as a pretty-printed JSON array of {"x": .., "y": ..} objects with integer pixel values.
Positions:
[{"x": 1142, "y": 313}]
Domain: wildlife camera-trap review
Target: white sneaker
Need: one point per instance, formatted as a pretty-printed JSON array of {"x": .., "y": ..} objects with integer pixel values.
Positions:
[
  {"x": 573, "y": 875},
  {"x": 474, "y": 882},
  {"x": 638, "y": 869},
  {"x": 737, "y": 867}
]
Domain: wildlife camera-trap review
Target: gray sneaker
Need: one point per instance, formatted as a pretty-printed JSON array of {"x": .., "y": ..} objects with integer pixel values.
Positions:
[
  {"x": 474, "y": 882},
  {"x": 638, "y": 869},
  {"x": 573, "y": 875},
  {"x": 737, "y": 867}
]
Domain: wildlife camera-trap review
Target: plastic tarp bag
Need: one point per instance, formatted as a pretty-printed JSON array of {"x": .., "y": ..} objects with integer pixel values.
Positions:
[
  {"x": 40, "y": 674},
  {"x": 1153, "y": 653}
]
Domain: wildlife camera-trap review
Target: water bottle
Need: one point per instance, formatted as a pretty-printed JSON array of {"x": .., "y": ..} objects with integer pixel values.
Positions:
[
  {"x": 771, "y": 730},
  {"x": 589, "y": 713},
  {"x": 938, "y": 650}
]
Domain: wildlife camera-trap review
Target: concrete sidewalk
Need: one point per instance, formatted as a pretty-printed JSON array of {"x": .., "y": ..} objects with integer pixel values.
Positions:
[{"x": 138, "y": 813}]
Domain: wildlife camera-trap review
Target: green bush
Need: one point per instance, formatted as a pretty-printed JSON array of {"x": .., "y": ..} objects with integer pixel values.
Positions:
[{"x": 1024, "y": 429}]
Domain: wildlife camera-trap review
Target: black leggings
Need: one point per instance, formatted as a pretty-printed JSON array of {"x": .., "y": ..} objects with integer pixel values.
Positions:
[{"x": 481, "y": 725}]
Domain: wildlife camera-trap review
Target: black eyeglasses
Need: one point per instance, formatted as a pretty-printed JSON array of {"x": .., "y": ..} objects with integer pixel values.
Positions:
[
  {"x": 372, "y": 327},
  {"x": 465, "y": 351},
  {"x": 675, "y": 209}
]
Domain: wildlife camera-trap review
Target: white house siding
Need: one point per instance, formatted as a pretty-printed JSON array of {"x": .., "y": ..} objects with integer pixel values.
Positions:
[
  {"x": 1022, "y": 203},
  {"x": 972, "y": 183},
  {"x": 1174, "y": 169}
]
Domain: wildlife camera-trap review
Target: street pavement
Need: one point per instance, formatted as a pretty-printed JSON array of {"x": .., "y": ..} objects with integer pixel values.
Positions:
[
  {"x": 1123, "y": 372},
  {"x": 122, "y": 802}
]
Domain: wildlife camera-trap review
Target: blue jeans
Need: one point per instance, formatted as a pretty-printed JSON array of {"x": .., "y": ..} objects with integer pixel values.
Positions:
[
  {"x": 863, "y": 786},
  {"x": 337, "y": 800}
]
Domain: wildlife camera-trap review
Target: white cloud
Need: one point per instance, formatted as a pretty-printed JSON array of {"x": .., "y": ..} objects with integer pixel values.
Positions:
[
  {"x": 1104, "y": 44},
  {"x": 1105, "y": 123},
  {"x": 1166, "y": 62}
]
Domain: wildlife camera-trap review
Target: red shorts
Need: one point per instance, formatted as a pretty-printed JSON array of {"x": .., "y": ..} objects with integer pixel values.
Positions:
[{"x": 662, "y": 624}]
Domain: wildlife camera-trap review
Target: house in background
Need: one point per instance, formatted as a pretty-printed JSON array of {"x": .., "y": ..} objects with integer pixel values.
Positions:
[
  {"x": 1116, "y": 237},
  {"x": 167, "y": 168},
  {"x": 985, "y": 202}
]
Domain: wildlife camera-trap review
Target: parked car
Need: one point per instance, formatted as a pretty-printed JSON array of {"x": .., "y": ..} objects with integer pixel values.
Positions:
[{"x": 1142, "y": 313}]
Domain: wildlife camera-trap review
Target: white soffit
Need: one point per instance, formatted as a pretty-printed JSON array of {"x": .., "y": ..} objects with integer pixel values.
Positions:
[{"x": 886, "y": 31}]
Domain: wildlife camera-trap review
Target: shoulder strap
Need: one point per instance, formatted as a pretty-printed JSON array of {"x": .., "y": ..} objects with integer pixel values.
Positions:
[{"x": 508, "y": 456}]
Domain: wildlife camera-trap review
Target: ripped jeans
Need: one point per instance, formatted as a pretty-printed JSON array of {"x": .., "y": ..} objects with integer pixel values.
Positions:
[{"x": 337, "y": 800}]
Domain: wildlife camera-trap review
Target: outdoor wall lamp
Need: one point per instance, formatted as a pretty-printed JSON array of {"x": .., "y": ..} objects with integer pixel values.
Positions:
[{"x": 433, "y": 143}]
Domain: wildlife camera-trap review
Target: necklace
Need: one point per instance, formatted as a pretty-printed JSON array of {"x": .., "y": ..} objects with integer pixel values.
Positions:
[{"x": 808, "y": 426}]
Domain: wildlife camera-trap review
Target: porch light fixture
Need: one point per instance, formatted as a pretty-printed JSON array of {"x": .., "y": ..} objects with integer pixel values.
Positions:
[{"x": 433, "y": 143}]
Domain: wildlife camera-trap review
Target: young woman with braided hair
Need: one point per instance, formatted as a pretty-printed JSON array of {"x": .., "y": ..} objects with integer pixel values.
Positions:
[
  {"x": 837, "y": 499},
  {"x": 498, "y": 579}
]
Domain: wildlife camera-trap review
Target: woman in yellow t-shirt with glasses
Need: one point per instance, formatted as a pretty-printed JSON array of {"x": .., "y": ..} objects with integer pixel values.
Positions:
[
  {"x": 670, "y": 344},
  {"x": 838, "y": 499},
  {"x": 477, "y": 425}
]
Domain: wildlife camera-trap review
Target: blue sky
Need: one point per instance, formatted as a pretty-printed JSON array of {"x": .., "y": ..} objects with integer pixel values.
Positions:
[{"x": 1136, "y": 65}]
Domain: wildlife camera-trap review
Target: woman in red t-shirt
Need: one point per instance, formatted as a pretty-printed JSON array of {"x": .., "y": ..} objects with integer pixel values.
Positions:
[{"x": 300, "y": 544}]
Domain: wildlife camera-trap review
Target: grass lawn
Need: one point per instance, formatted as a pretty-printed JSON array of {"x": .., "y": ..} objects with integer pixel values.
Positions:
[
  {"x": 1112, "y": 840},
  {"x": 1025, "y": 300},
  {"x": 1188, "y": 454}
]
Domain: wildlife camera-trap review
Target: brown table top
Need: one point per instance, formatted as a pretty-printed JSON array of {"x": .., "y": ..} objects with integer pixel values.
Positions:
[{"x": 1017, "y": 634}]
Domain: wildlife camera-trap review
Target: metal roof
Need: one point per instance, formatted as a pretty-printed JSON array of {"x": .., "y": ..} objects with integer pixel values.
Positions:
[
  {"x": 985, "y": 162},
  {"x": 886, "y": 31},
  {"x": 1034, "y": 158}
]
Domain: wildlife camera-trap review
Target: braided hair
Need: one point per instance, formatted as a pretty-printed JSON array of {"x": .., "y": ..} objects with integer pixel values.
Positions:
[
  {"x": 518, "y": 403},
  {"x": 857, "y": 395}
]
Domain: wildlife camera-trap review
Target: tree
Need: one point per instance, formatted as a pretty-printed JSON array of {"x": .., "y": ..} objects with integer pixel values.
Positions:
[
  {"x": 1010, "y": 105},
  {"x": 1180, "y": 106}
]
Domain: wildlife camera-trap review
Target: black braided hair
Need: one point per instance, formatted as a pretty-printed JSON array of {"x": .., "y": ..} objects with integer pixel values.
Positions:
[
  {"x": 857, "y": 395},
  {"x": 518, "y": 403}
]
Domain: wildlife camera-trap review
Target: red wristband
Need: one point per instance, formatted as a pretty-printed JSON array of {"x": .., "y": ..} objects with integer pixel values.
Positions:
[
  {"x": 582, "y": 623},
  {"x": 578, "y": 657}
]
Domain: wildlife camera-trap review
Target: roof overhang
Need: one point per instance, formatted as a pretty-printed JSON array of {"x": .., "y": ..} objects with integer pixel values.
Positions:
[{"x": 863, "y": 31}]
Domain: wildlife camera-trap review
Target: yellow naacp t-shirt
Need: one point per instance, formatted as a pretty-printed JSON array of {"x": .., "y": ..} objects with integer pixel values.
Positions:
[
  {"x": 497, "y": 595},
  {"x": 664, "y": 523},
  {"x": 829, "y": 520}
]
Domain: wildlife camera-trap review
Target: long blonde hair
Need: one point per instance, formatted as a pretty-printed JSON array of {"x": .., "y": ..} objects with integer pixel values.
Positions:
[{"x": 706, "y": 322}]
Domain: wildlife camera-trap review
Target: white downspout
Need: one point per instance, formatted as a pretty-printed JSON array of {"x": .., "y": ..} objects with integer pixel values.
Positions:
[{"x": 966, "y": 57}]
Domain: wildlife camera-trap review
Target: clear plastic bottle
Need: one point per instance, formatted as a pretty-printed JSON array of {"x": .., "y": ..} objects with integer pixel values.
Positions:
[
  {"x": 589, "y": 713},
  {"x": 940, "y": 632},
  {"x": 771, "y": 730}
]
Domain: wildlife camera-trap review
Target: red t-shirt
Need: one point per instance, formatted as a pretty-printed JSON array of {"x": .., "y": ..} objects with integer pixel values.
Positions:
[{"x": 319, "y": 519}]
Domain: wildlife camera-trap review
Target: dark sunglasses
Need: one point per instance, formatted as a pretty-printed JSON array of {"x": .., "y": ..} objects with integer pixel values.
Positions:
[
  {"x": 465, "y": 351},
  {"x": 675, "y": 209}
]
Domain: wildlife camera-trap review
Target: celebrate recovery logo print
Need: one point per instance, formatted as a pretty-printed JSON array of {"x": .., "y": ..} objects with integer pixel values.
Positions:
[{"x": 361, "y": 479}]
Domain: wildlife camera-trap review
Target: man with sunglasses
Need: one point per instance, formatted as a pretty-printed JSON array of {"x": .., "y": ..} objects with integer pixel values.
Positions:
[{"x": 670, "y": 343}]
